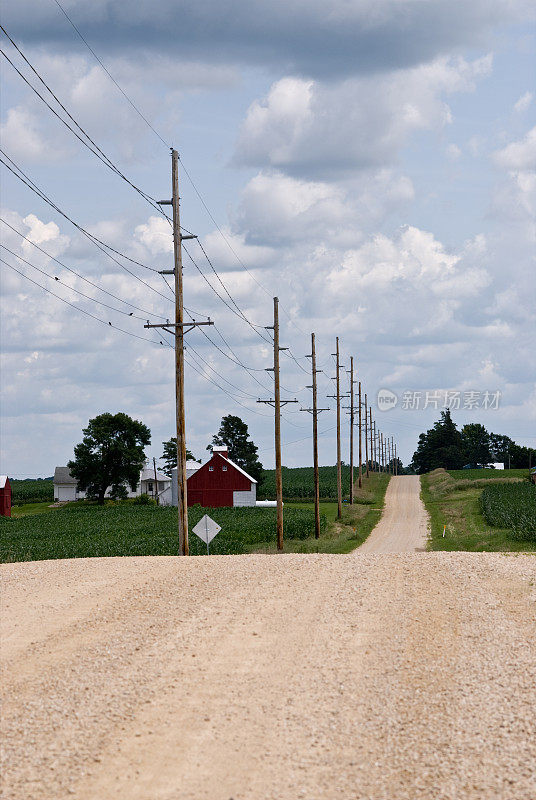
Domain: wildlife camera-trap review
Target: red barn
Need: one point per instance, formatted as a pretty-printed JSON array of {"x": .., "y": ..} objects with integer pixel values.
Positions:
[
  {"x": 221, "y": 482},
  {"x": 5, "y": 496}
]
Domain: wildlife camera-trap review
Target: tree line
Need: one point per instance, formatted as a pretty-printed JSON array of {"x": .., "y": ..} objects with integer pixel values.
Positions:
[{"x": 446, "y": 446}]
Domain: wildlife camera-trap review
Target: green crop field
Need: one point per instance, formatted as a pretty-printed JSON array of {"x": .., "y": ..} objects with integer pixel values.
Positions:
[
  {"x": 29, "y": 491},
  {"x": 298, "y": 483},
  {"x": 456, "y": 513},
  {"x": 489, "y": 474},
  {"x": 83, "y": 530},
  {"x": 511, "y": 506}
]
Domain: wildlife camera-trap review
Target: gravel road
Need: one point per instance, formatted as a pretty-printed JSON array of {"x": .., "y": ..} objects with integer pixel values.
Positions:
[
  {"x": 403, "y": 526},
  {"x": 369, "y": 676}
]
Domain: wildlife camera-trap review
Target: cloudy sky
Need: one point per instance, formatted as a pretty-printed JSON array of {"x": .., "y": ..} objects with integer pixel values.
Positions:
[{"x": 371, "y": 162}]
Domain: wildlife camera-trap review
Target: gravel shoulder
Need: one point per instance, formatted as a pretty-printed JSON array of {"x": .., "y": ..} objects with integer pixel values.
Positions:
[
  {"x": 403, "y": 526},
  {"x": 393, "y": 676}
]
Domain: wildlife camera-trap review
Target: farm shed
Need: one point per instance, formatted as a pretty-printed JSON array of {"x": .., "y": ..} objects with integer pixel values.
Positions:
[
  {"x": 5, "y": 496},
  {"x": 219, "y": 482},
  {"x": 65, "y": 486}
]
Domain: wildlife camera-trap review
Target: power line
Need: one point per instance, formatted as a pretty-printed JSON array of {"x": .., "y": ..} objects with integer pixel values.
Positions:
[
  {"x": 95, "y": 285},
  {"x": 187, "y": 173},
  {"x": 238, "y": 313},
  {"x": 136, "y": 109},
  {"x": 71, "y": 288},
  {"x": 82, "y": 310},
  {"x": 245, "y": 395},
  {"x": 229, "y": 245},
  {"x": 93, "y": 147},
  {"x": 95, "y": 240},
  {"x": 225, "y": 288}
]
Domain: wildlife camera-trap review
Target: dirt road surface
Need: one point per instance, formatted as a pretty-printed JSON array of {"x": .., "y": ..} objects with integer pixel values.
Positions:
[
  {"x": 378, "y": 677},
  {"x": 403, "y": 526}
]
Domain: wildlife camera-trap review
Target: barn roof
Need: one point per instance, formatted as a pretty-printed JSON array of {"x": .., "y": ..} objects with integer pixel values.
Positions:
[
  {"x": 3, "y": 481},
  {"x": 243, "y": 471},
  {"x": 63, "y": 475}
]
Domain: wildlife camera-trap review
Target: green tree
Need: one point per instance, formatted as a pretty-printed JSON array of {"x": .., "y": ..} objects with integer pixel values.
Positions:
[
  {"x": 111, "y": 454},
  {"x": 476, "y": 442},
  {"x": 233, "y": 433},
  {"x": 501, "y": 448},
  {"x": 169, "y": 456},
  {"x": 441, "y": 446}
]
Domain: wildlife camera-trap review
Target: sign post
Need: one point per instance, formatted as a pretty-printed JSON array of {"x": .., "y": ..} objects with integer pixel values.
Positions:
[{"x": 206, "y": 529}]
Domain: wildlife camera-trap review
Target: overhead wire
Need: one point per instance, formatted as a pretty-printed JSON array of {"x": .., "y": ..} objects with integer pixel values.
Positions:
[
  {"x": 94, "y": 239},
  {"x": 82, "y": 277},
  {"x": 93, "y": 147},
  {"x": 71, "y": 288},
  {"x": 186, "y": 172},
  {"x": 136, "y": 109},
  {"x": 78, "y": 308}
]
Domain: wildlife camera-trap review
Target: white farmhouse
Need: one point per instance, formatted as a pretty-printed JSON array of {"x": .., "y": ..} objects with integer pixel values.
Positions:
[{"x": 66, "y": 488}]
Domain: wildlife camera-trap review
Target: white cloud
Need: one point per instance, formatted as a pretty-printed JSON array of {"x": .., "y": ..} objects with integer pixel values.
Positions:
[
  {"x": 22, "y": 136},
  {"x": 321, "y": 129},
  {"x": 453, "y": 152},
  {"x": 519, "y": 155},
  {"x": 524, "y": 102}
]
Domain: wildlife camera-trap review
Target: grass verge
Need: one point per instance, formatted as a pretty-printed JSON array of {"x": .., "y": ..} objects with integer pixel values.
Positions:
[
  {"x": 456, "y": 504},
  {"x": 340, "y": 536}
]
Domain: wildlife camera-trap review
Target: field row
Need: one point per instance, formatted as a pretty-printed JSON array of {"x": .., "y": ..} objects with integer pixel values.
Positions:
[
  {"x": 79, "y": 531},
  {"x": 511, "y": 506}
]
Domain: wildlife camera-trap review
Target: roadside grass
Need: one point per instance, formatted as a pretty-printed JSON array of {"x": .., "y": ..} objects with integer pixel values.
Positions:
[
  {"x": 456, "y": 504},
  {"x": 340, "y": 536}
]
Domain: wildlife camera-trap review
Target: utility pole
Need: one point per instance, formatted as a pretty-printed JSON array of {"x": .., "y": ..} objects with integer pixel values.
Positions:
[
  {"x": 338, "y": 398},
  {"x": 375, "y": 440},
  {"x": 360, "y": 432},
  {"x": 396, "y": 461},
  {"x": 179, "y": 328},
  {"x": 382, "y": 460},
  {"x": 155, "y": 495},
  {"x": 277, "y": 403},
  {"x": 388, "y": 455},
  {"x": 315, "y": 412},
  {"x": 371, "y": 450},
  {"x": 352, "y": 430},
  {"x": 366, "y": 437}
]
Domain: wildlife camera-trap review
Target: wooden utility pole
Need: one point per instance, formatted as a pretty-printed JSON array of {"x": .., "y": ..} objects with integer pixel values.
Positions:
[
  {"x": 179, "y": 328},
  {"x": 366, "y": 437},
  {"x": 155, "y": 483},
  {"x": 388, "y": 455},
  {"x": 382, "y": 460},
  {"x": 352, "y": 430},
  {"x": 339, "y": 468},
  {"x": 360, "y": 438},
  {"x": 370, "y": 434},
  {"x": 277, "y": 403},
  {"x": 396, "y": 461},
  {"x": 315, "y": 412},
  {"x": 375, "y": 440}
]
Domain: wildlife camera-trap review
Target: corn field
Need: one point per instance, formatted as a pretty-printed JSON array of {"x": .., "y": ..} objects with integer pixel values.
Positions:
[{"x": 511, "y": 506}]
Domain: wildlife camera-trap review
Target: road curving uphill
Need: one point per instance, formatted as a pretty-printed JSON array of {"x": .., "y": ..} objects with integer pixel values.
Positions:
[{"x": 385, "y": 676}]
